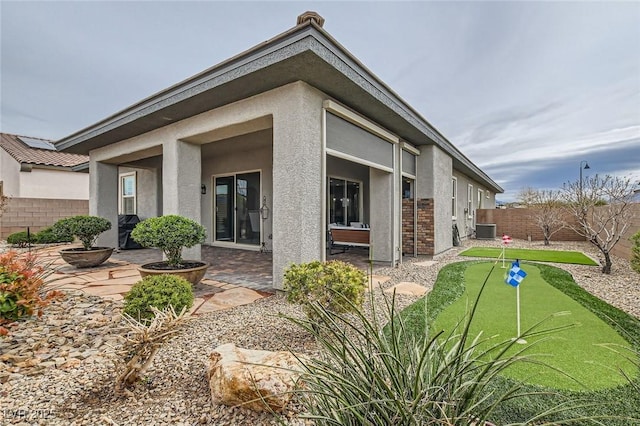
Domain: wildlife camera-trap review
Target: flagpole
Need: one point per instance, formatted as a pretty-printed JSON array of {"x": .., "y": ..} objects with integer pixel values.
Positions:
[
  {"x": 520, "y": 340},
  {"x": 503, "y": 247}
]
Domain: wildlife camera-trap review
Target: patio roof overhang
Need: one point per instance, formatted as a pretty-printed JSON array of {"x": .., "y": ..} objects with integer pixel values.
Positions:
[{"x": 304, "y": 53}]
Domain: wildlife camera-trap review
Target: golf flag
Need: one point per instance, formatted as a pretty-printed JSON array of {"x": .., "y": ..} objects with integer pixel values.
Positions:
[{"x": 515, "y": 275}]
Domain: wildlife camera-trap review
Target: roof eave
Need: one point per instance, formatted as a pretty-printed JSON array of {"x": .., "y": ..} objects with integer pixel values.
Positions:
[{"x": 286, "y": 46}]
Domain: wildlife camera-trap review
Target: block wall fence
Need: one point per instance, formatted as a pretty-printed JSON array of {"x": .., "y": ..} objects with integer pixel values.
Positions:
[
  {"x": 37, "y": 213},
  {"x": 518, "y": 223}
]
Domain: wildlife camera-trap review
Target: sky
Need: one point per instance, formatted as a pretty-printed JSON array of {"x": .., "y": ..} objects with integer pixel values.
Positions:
[{"x": 526, "y": 90}]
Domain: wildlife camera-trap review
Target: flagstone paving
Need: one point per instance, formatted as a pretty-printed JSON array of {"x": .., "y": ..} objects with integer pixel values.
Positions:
[
  {"x": 409, "y": 288},
  {"x": 114, "y": 278}
]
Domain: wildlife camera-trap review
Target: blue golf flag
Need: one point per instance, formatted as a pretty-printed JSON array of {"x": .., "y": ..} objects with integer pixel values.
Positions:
[{"x": 515, "y": 275}]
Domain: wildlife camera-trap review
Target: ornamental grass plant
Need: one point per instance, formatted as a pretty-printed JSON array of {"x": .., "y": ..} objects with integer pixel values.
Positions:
[{"x": 374, "y": 370}]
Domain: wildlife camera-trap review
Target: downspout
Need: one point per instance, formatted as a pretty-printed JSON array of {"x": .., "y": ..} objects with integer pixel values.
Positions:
[{"x": 415, "y": 209}]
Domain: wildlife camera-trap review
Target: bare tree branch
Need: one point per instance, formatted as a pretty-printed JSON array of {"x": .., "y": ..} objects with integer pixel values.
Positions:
[{"x": 601, "y": 207}]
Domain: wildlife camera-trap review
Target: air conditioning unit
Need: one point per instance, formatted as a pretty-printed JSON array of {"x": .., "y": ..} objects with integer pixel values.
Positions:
[{"x": 485, "y": 231}]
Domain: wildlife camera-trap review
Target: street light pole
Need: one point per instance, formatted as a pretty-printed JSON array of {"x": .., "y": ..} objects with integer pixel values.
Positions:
[{"x": 586, "y": 167}]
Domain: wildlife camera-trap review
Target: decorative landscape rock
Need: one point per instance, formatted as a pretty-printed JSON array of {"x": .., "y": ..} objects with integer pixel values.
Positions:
[{"x": 247, "y": 377}]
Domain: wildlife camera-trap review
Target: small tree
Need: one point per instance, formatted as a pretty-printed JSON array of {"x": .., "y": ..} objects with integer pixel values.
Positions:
[
  {"x": 528, "y": 196},
  {"x": 169, "y": 233},
  {"x": 85, "y": 228},
  {"x": 547, "y": 213},
  {"x": 601, "y": 225}
]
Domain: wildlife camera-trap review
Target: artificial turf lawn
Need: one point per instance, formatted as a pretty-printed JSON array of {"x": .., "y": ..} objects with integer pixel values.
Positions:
[
  {"x": 590, "y": 352},
  {"x": 619, "y": 406},
  {"x": 556, "y": 256}
]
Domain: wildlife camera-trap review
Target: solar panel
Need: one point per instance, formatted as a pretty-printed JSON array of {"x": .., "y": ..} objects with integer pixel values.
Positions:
[{"x": 37, "y": 143}]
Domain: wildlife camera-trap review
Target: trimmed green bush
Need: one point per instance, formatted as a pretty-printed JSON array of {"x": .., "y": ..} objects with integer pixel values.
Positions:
[
  {"x": 159, "y": 291},
  {"x": 20, "y": 239},
  {"x": 336, "y": 286},
  {"x": 48, "y": 236},
  {"x": 85, "y": 228},
  {"x": 170, "y": 234},
  {"x": 635, "y": 252}
]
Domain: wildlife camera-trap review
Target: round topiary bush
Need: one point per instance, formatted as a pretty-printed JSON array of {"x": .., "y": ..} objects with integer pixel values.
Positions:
[
  {"x": 85, "y": 228},
  {"x": 337, "y": 286},
  {"x": 170, "y": 234},
  {"x": 159, "y": 291}
]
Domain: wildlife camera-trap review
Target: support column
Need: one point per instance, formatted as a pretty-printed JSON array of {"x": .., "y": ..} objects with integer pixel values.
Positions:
[
  {"x": 103, "y": 199},
  {"x": 297, "y": 180},
  {"x": 181, "y": 169},
  {"x": 381, "y": 199}
]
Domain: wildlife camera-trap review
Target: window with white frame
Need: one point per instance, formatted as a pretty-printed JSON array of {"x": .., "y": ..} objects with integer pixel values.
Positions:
[
  {"x": 469, "y": 200},
  {"x": 454, "y": 196},
  {"x": 479, "y": 205},
  {"x": 128, "y": 193}
]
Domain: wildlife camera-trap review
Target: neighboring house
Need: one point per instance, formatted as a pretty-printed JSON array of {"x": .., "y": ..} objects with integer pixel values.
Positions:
[
  {"x": 270, "y": 147},
  {"x": 40, "y": 182}
]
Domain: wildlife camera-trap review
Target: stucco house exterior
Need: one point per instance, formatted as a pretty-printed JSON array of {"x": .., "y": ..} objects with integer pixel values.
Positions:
[
  {"x": 40, "y": 182},
  {"x": 271, "y": 147}
]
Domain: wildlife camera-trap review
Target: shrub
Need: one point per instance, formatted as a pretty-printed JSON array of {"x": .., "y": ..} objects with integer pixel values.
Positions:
[
  {"x": 20, "y": 239},
  {"x": 635, "y": 252},
  {"x": 48, "y": 236},
  {"x": 159, "y": 291},
  {"x": 85, "y": 228},
  {"x": 21, "y": 287},
  {"x": 336, "y": 286},
  {"x": 170, "y": 234}
]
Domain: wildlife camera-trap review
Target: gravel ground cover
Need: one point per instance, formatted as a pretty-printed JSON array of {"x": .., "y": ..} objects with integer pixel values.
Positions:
[{"x": 59, "y": 370}]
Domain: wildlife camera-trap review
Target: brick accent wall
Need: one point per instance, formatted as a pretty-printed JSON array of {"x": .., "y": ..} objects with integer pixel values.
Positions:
[
  {"x": 407, "y": 226},
  {"x": 518, "y": 224},
  {"x": 426, "y": 228},
  {"x": 37, "y": 213}
]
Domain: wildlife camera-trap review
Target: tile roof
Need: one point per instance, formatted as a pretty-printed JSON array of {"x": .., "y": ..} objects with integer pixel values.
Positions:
[{"x": 23, "y": 153}]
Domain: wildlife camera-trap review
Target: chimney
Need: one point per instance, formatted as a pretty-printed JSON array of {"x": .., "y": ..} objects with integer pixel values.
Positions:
[{"x": 310, "y": 16}]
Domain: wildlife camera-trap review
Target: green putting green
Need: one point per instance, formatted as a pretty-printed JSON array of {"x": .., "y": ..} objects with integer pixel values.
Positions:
[
  {"x": 556, "y": 256},
  {"x": 591, "y": 353}
]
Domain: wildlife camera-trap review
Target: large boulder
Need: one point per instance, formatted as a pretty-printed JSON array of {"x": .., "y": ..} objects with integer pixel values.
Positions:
[{"x": 252, "y": 378}]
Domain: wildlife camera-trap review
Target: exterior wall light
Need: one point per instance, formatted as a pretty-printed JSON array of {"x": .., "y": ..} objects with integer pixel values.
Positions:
[
  {"x": 203, "y": 189},
  {"x": 264, "y": 210}
]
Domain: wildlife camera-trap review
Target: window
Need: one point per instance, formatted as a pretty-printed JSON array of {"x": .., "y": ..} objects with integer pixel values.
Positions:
[
  {"x": 128, "y": 193},
  {"x": 345, "y": 204},
  {"x": 479, "y": 205},
  {"x": 469, "y": 200},
  {"x": 407, "y": 187},
  {"x": 487, "y": 194},
  {"x": 454, "y": 188}
]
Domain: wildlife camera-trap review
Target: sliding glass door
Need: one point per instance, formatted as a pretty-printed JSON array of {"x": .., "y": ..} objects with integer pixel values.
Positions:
[
  {"x": 344, "y": 201},
  {"x": 237, "y": 208}
]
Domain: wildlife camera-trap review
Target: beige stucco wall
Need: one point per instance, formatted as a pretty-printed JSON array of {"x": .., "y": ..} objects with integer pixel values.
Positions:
[
  {"x": 294, "y": 112},
  {"x": 54, "y": 184},
  {"x": 232, "y": 161},
  {"x": 9, "y": 174},
  {"x": 435, "y": 168},
  {"x": 465, "y": 220}
]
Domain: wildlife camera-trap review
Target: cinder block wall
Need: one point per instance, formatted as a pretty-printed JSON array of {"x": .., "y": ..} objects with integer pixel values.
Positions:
[
  {"x": 518, "y": 223},
  {"x": 37, "y": 213},
  {"x": 623, "y": 248}
]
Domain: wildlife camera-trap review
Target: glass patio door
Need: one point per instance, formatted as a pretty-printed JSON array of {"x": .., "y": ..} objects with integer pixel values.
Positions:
[
  {"x": 344, "y": 201},
  {"x": 237, "y": 208}
]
